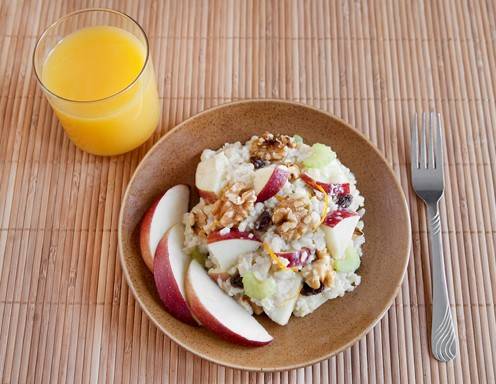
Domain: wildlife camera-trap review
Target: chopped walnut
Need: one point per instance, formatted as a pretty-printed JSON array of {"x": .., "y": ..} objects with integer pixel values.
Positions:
[
  {"x": 257, "y": 309},
  {"x": 198, "y": 221},
  {"x": 320, "y": 271},
  {"x": 292, "y": 217},
  {"x": 234, "y": 205},
  {"x": 270, "y": 147}
]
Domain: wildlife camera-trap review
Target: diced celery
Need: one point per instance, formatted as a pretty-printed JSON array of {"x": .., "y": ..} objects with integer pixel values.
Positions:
[
  {"x": 350, "y": 262},
  {"x": 258, "y": 289},
  {"x": 321, "y": 156}
]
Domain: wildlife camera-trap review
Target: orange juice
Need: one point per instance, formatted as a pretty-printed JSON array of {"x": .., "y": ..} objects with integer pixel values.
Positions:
[{"x": 102, "y": 89}]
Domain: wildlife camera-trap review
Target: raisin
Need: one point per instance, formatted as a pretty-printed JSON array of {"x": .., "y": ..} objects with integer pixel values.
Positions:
[
  {"x": 237, "y": 280},
  {"x": 344, "y": 201},
  {"x": 309, "y": 291},
  {"x": 257, "y": 162},
  {"x": 264, "y": 221}
]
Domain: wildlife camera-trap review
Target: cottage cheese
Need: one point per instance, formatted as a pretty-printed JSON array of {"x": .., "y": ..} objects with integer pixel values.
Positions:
[{"x": 289, "y": 291}]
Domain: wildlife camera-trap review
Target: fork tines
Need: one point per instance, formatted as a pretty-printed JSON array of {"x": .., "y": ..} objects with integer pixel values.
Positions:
[{"x": 431, "y": 150}]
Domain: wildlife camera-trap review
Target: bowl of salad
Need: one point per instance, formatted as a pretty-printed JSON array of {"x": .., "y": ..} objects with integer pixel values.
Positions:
[{"x": 257, "y": 235}]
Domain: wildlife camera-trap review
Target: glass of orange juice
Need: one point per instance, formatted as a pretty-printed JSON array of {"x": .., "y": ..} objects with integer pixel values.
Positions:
[{"x": 94, "y": 67}]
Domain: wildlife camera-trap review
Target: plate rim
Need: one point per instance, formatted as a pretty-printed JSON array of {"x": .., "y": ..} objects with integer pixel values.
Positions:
[{"x": 361, "y": 334}]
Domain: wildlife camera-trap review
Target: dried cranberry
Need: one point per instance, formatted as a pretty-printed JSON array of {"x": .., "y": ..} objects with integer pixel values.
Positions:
[
  {"x": 344, "y": 201},
  {"x": 309, "y": 291},
  {"x": 257, "y": 162},
  {"x": 264, "y": 221},
  {"x": 237, "y": 280}
]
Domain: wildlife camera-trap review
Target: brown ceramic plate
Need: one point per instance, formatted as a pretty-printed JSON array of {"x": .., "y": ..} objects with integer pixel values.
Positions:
[{"x": 335, "y": 325}]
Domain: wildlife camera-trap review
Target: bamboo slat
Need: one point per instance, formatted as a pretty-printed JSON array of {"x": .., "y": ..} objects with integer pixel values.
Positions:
[{"x": 66, "y": 313}]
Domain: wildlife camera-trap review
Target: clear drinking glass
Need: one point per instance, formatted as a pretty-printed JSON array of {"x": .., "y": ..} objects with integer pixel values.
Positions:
[{"x": 84, "y": 53}]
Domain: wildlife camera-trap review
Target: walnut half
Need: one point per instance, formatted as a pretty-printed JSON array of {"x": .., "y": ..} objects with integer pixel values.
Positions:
[
  {"x": 234, "y": 205},
  {"x": 320, "y": 271},
  {"x": 270, "y": 147},
  {"x": 292, "y": 217}
]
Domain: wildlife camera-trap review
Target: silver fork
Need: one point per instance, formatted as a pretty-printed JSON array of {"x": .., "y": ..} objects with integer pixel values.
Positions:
[{"x": 428, "y": 183}]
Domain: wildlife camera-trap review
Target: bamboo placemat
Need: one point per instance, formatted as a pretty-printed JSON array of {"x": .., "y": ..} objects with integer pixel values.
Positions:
[{"x": 66, "y": 313}]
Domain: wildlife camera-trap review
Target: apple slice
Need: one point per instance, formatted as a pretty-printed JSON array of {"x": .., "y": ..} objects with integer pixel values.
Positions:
[
  {"x": 281, "y": 311},
  {"x": 269, "y": 180},
  {"x": 333, "y": 189},
  {"x": 220, "y": 313},
  {"x": 163, "y": 214},
  {"x": 233, "y": 234},
  {"x": 338, "y": 229},
  {"x": 209, "y": 178},
  {"x": 169, "y": 268},
  {"x": 295, "y": 258},
  {"x": 225, "y": 249}
]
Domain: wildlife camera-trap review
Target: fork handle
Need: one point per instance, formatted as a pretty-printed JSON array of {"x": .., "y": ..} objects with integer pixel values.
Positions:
[{"x": 443, "y": 337}]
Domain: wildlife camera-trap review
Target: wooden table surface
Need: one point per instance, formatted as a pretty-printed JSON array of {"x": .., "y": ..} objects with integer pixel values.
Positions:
[{"x": 66, "y": 313}]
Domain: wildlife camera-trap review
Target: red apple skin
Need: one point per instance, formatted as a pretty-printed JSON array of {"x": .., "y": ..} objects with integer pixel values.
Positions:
[
  {"x": 334, "y": 218},
  {"x": 233, "y": 234},
  {"x": 274, "y": 184},
  {"x": 211, "y": 323},
  {"x": 295, "y": 258},
  {"x": 209, "y": 197},
  {"x": 332, "y": 189},
  {"x": 145, "y": 235},
  {"x": 145, "y": 227},
  {"x": 166, "y": 284}
]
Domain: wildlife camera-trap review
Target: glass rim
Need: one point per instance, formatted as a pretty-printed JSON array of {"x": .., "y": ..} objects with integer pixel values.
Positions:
[{"x": 87, "y": 10}]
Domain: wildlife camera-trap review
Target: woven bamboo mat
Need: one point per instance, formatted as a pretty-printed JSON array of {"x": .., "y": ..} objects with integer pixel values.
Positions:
[{"x": 66, "y": 313}]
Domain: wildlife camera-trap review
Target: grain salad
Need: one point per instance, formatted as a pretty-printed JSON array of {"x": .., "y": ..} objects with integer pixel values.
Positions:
[{"x": 278, "y": 226}]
